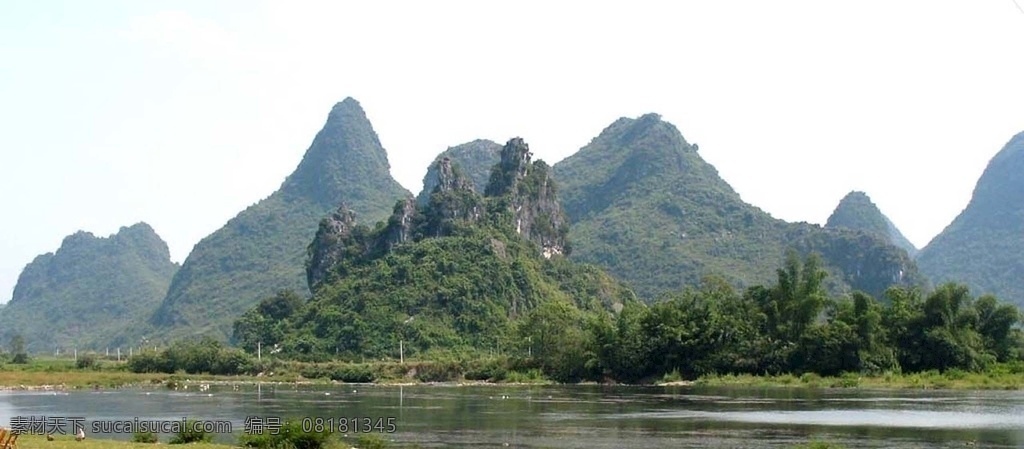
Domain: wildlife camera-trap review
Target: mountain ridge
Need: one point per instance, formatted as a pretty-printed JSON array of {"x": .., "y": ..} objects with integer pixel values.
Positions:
[
  {"x": 452, "y": 275},
  {"x": 647, "y": 207},
  {"x": 261, "y": 249},
  {"x": 82, "y": 294},
  {"x": 982, "y": 245},
  {"x": 857, "y": 212}
]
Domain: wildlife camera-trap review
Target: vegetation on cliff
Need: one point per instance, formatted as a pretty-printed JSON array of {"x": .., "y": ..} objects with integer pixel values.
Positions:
[
  {"x": 464, "y": 273},
  {"x": 262, "y": 249},
  {"x": 856, "y": 211}
]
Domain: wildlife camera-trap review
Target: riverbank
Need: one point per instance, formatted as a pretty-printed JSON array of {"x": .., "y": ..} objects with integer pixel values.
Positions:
[
  {"x": 58, "y": 374},
  {"x": 998, "y": 378},
  {"x": 68, "y": 442}
]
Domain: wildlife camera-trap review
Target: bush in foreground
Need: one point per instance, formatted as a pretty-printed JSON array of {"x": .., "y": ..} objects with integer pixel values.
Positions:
[
  {"x": 290, "y": 436},
  {"x": 144, "y": 437},
  {"x": 191, "y": 433}
]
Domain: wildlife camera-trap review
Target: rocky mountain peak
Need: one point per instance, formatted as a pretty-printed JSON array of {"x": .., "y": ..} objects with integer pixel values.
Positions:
[
  {"x": 511, "y": 168},
  {"x": 473, "y": 159},
  {"x": 857, "y": 212}
]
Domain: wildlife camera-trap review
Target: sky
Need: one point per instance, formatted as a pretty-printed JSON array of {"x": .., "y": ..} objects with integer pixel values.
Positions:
[{"x": 183, "y": 113}]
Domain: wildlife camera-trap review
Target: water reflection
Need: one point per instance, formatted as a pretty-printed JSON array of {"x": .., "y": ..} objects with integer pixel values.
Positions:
[{"x": 578, "y": 416}]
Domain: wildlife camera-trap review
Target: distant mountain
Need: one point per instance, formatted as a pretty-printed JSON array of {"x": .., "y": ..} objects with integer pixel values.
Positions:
[
  {"x": 454, "y": 274},
  {"x": 856, "y": 211},
  {"x": 90, "y": 292},
  {"x": 474, "y": 159},
  {"x": 984, "y": 246},
  {"x": 262, "y": 249},
  {"x": 646, "y": 206}
]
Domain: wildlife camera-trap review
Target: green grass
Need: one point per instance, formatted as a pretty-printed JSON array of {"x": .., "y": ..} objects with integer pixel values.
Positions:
[
  {"x": 1000, "y": 377},
  {"x": 68, "y": 442}
]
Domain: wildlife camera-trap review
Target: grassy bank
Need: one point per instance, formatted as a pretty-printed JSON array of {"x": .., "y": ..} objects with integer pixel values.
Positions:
[
  {"x": 59, "y": 373},
  {"x": 998, "y": 378},
  {"x": 68, "y": 442},
  {"x": 64, "y": 374}
]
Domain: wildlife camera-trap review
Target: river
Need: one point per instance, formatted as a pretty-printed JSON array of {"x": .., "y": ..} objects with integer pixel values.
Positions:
[{"x": 588, "y": 417}]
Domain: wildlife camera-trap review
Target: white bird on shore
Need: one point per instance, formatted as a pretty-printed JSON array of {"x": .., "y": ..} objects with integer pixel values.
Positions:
[{"x": 80, "y": 435}]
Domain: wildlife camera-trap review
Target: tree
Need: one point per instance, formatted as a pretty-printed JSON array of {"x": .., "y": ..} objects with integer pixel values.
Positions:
[
  {"x": 557, "y": 341},
  {"x": 995, "y": 324},
  {"x": 18, "y": 349}
]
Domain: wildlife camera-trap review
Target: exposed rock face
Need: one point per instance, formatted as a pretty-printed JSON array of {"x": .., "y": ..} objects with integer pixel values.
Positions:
[
  {"x": 401, "y": 223},
  {"x": 474, "y": 159},
  {"x": 453, "y": 201},
  {"x": 329, "y": 245},
  {"x": 521, "y": 198},
  {"x": 533, "y": 200}
]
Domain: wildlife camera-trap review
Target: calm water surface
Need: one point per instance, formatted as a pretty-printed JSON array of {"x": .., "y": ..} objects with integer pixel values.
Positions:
[{"x": 577, "y": 416}]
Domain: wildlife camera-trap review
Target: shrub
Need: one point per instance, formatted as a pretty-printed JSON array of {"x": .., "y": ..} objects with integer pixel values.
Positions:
[
  {"x": 86, "y": 361},
  {"x": 20, "y": 358},
  {"x": 438, "y": 371},
  {"x": 290, "y": 436},
  {"x": 191, "y": 433},
  {"x": 492, "y": 370},
  {"x": 673, "y": 376},
  {"x": 144, "y": 437},
  {"x": 371, "y": 441},
  {"x": 353, "y": 373}
]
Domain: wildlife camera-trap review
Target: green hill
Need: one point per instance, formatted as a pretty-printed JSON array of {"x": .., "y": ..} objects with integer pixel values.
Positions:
[
  {"x": 983, "y": 246},
  {"x": 261, "y": 250},
  {"x": 856, "y": 211},
  {"x": 86, "y": 293},
  {"x": 645, "y": 206},
  {"x": 474, "y": 159},
  {"x": 456, "y": 273}
]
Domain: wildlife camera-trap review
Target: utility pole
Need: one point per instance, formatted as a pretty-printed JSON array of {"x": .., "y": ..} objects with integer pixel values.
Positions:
[
  {"x": 118, "y": 353},
  {"x": 76, "y": 355},
  {"x": 259, "y": 351},
  {"x": 401, "y": 351}
]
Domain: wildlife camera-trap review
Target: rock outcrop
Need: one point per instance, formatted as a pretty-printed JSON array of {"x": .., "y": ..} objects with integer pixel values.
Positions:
[
  {"x": 532, "y": 198},
  {"x": 473, "y": 159},
  {"x": 328, "y": 247},
  {"x": 521, "y": 198}
]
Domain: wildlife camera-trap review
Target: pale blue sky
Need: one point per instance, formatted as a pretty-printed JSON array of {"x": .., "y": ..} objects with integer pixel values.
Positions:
[{"x": 181, "y": 114}]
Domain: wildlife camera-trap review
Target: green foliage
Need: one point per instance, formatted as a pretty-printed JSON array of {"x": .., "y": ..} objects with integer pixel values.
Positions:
[
  {"x": 291, "y": 435},
  {"x": 793, "y": 327},
  {"x": 371, "y": 441},
  {"x": 84, "y": 294},
  {"x": 646, "y": 207},
  {"x": 205, "y": 355},
  {"x": 982, "y": 246},
  {"x": 86, "y": 361},
  {"x": 262, "y": 249},
  {"x": 191, "y": 433},
  {"x": 474, "y": 159},
  {"x": 856, "y": 212},
  {"x": 144, "y": 437}
]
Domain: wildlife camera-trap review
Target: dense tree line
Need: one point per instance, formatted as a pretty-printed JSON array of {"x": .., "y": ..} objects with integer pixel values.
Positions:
[{"x": 792, "y": 326}]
